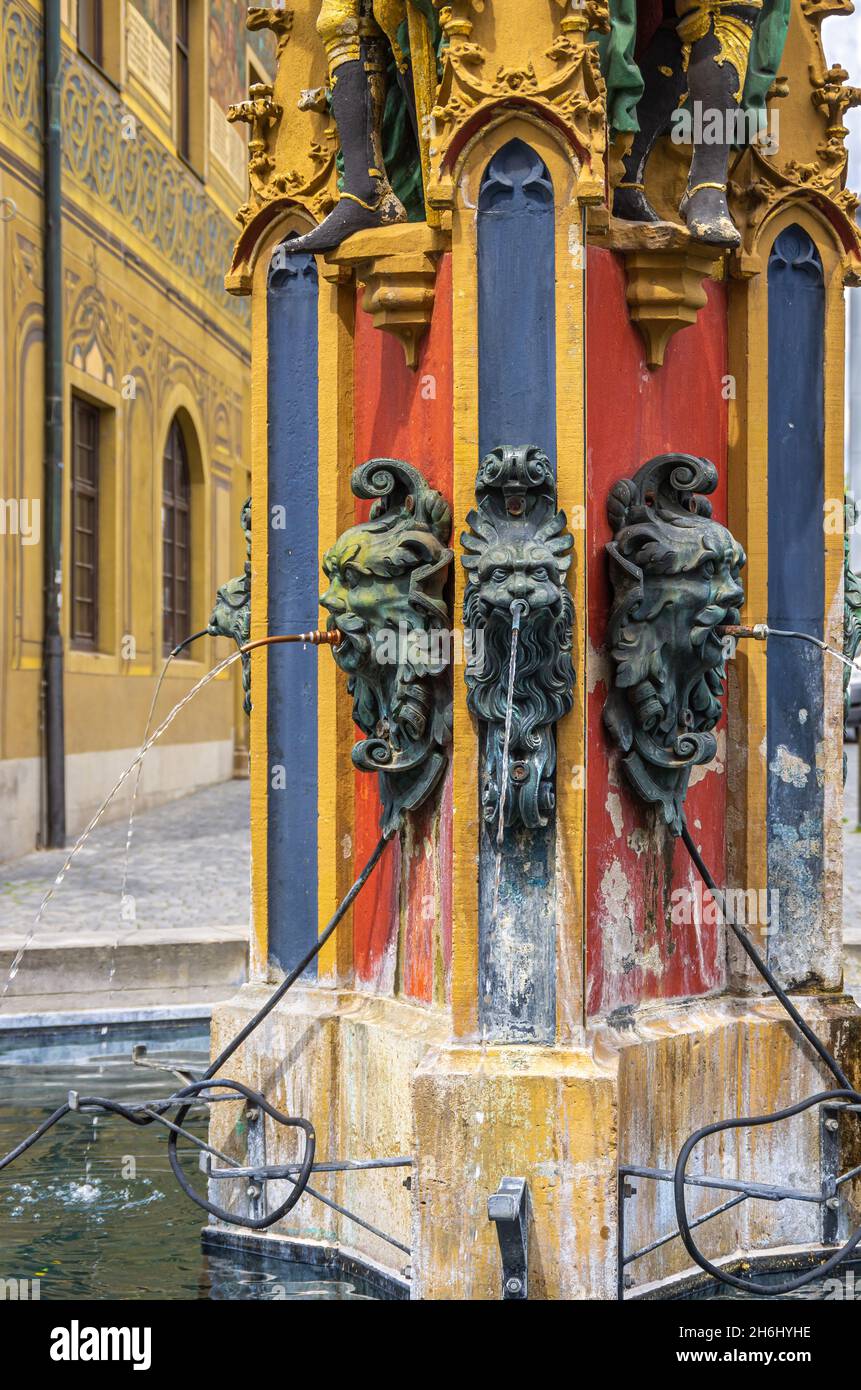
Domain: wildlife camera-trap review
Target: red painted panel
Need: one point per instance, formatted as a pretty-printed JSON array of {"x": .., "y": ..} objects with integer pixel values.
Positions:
[
  {"x": 375, "y": 914},
  {"x": 422, "y": 899},
  {"x": 445, "y": 862},
  {"x": 634, "y": 950},
  {"x": 405, "y": 414}
]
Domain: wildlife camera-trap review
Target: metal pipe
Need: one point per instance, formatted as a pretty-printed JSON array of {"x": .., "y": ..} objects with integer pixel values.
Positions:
[
  {"x": 52, "y": 251},
  {"x": 765, "y": 1191},
  {"x": 330, "y": 638},
  {"x": 276, "y": 1172},
  {"x": 673, "y": 1235}
]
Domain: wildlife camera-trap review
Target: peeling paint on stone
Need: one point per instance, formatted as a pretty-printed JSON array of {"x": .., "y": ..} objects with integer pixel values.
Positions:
[
  {"x": 789, "y": 768},
  {"x": 597, "y": 668},
  {"x": 617, "y": 920},
  {"x": 614, "y": 811},
  {"x": 638, "y": 841}
]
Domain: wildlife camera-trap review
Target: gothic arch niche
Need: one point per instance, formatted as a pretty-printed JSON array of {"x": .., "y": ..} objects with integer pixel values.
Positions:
[
  {"x": 516, "y": 305},
  {"x": 759, "y": 369},
  {"x": 517, "y": 409},
  {"x": 291, "y": 509},
  {"x": 519, "y": 172},
  {"x": 796, "y": 590}
]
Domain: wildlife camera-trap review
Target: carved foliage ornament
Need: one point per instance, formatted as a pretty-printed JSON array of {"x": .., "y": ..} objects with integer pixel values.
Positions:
[
  {"x": 387, "y": 580},
  {"x": 518, "y": 552},
  {"x": 675, "y": 578},
  {"x": 568, "y": 86}
]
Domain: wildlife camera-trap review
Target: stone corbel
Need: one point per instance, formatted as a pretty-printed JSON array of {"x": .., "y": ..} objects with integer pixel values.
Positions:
[
  {"x": 397, "y": 266},
  {"x": 666, "y": 272}
]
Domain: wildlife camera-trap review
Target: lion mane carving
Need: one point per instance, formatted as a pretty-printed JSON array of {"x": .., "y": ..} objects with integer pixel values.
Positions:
[
  {"x": 518, "y": 551},
  {"x": 675, "y": 578},
  {"x": 386, "y": 595}
]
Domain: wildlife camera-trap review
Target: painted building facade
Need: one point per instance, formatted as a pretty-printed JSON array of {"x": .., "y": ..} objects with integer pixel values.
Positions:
[{"x": 156, "y": 409}]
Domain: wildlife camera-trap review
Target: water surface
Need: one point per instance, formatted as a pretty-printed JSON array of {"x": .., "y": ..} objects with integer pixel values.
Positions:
[{"x": 93, "y": 1210}]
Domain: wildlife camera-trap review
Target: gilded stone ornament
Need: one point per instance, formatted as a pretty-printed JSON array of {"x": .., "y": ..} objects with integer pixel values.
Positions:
[
  {"x": 674, "y": 572},
  {"x": 275, "y": 18},
  {"x": 387, "y": 597},
  {"x": 517, "y": 554},
  {"x": 761, "y": 183},
  {"x": 567, "y": 87},
  {"x": 666, "y": 270},
  {"x": 231, "y": 616},
  {"x": 397, "y": 266}
]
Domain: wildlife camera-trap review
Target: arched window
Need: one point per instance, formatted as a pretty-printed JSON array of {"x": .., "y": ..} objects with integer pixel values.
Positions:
[{"x": 176, "y": 540}]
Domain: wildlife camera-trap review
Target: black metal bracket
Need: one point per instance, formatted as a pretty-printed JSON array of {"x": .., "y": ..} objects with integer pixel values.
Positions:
[
  {"x": 508, "y": 1208},
  {"x": 827, "y": 1197}
]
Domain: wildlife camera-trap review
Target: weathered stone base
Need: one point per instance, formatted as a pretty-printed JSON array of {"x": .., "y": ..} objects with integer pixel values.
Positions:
[{"x": 379, "y": 1078}]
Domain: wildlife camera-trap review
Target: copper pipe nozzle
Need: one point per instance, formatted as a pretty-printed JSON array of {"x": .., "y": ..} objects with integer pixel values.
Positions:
[
  {"x": 759, "y": 633},
  {"x": 319, "y": 638}
]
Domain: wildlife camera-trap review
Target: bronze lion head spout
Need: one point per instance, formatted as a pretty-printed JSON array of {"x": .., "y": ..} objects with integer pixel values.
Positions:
[
  {"x": 674, "y": 571},
  {"x": 517, "y": 555}
]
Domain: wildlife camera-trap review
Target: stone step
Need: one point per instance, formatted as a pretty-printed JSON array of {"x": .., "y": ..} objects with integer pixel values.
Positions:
[{"x": 74, "y": 971}]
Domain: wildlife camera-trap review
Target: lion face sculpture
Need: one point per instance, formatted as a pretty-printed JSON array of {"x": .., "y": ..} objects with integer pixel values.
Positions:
[
  {"x": 517, "y": 556},
  {"x": 387, "y": 579},
  {"x": 675, "y": 577}
]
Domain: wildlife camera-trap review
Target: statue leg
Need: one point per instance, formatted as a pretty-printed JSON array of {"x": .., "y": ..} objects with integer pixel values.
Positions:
[
  {"x": 366, "y": 199},
  {"x": 719, "y": 35},
  {"x": 390, "y": 15},
  {"x": 664, "y": 80}
]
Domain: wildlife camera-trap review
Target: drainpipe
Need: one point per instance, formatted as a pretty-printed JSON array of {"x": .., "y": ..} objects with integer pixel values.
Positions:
[{"x": 52, "y": 645}]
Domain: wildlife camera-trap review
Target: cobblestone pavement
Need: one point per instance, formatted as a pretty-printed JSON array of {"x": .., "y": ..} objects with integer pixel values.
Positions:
[{"x": 189, "y": 867}]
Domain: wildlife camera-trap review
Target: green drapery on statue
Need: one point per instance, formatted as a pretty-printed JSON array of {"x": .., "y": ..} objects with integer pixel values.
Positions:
[
  {"x": 400, "y": 154},
  {"x": 624, "y": 79}
]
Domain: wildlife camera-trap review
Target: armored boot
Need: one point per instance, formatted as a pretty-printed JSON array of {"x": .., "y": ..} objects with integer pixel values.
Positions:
[
  {"x": 367, "y": 199},
  {"x": 716, "y": 77},
  {"x": 664, "y": 81}
]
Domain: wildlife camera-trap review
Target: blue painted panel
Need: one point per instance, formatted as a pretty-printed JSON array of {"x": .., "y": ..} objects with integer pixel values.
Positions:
[
  {"x": 293, "y": 607},
  {"x": 517, "y": 405},
  {"x": 517, "y": 303},
  {"x": 796, "y": 591}
]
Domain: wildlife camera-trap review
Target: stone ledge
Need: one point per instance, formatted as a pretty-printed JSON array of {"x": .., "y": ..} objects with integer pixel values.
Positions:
[
  {"x": 71, "y": 972},
  {"x": 666, "y": 270},
  {"x": 397, "y": 266}
]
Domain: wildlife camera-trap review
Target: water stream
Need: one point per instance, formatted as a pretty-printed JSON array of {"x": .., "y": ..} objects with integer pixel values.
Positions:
[
  {"x": 136, "y": 787},
  {"x": 95, "y": 1213},
  {"x": 518, "y": 609},
  {"x": 119, "y": 784}
]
